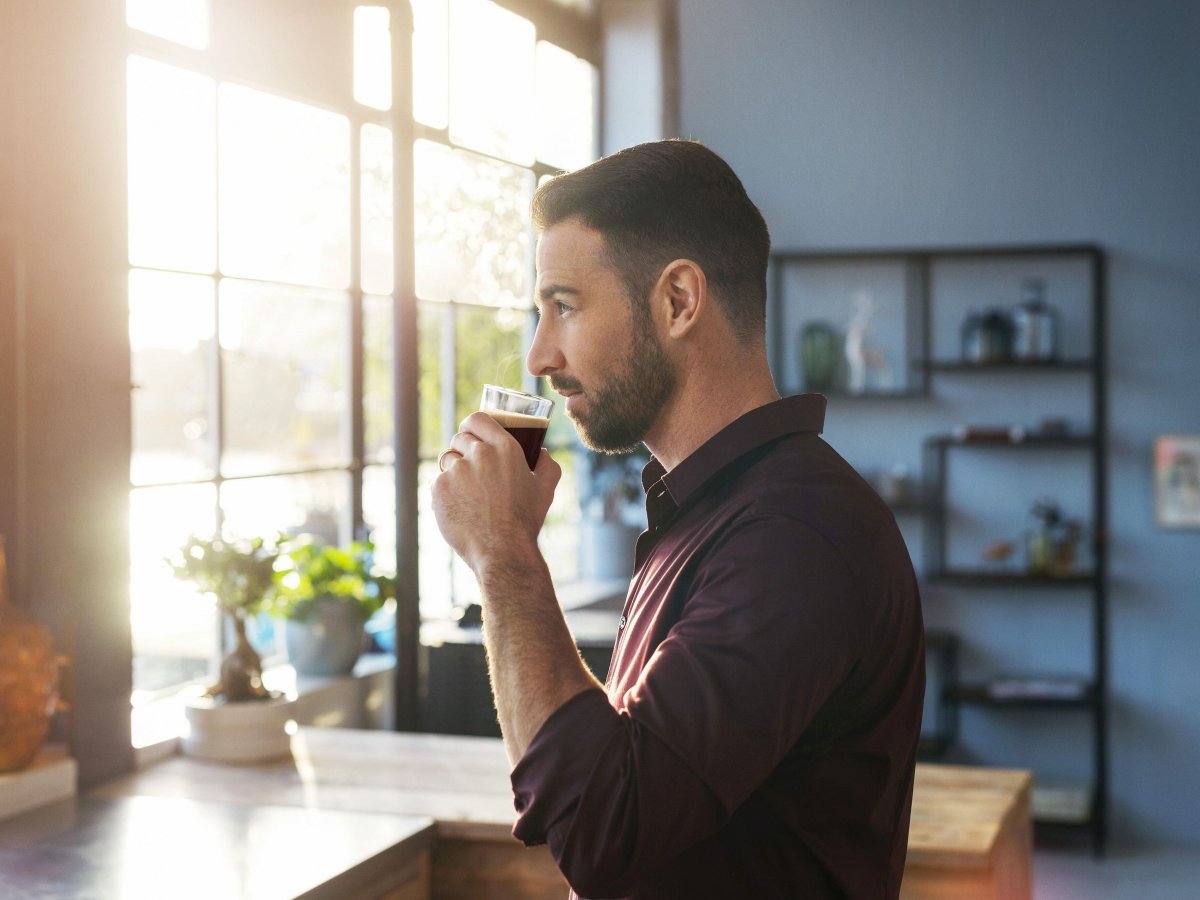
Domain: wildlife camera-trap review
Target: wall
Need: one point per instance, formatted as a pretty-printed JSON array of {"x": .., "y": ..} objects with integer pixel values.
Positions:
[
  {"x": 66, "y": 417},
  {"x": 872, "y": 123}
]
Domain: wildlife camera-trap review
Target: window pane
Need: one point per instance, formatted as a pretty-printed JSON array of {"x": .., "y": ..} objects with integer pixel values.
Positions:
[
  {"x": 492, "y": 80},
  {"x": 436, "y": 564},
  {"x": 378, "y": 247},
  {"x": 431, "y": 324},
  {"x": 172, "y": 167},
  {"x": 566, "y": 108},
  {"x": 285, "y": 190},
  {"x": 174, "y": 628},
  {"x": 559, "y": 539},
  {"x": 379, "y": 513},
  {"x": 372, "y": 57},
  {"x": 489, "y": 350},
  {"x": 294, "y": 504},
  {"x": 472, "y": 227},
  {"x": 378, "y": 393},
  {"x": 286, "y": 362},
  {"x": 170, "y": 335},
  {"x": 182, "y": 21},
  {"x": 430, "y": 62}
]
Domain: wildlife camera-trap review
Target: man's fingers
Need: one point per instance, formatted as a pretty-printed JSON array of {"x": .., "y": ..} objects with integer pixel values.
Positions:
[{"x": 547, "y": 473}]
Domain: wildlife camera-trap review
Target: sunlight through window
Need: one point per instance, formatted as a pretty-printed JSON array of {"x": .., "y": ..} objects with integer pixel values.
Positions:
[
  {"x": 182, "y": 21},
  {"x": 372, "y": 57}
]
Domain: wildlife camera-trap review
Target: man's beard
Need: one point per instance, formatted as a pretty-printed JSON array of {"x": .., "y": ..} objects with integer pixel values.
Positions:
[{"x": 623, "y": 409}]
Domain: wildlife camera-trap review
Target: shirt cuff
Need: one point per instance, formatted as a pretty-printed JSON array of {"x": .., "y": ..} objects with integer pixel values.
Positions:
[{"x": 549, "y": 779}]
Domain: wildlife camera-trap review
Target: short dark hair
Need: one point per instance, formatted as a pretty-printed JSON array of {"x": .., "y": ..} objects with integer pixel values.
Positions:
[{"x": 666, "y": 200}]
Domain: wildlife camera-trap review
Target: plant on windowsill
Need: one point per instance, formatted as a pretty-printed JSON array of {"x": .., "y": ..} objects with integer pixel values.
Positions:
[
  {"x": 239, "y": 575},
  {"x": 325, "y": 595},
  {"x": 237, "y": 720}
]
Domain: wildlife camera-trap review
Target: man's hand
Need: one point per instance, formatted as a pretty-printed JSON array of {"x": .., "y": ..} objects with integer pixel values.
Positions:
[{"x": 486, "y": 500}]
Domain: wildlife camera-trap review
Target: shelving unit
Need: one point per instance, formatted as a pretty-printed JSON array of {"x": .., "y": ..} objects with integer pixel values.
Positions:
[{"x": 936, "y": 377}]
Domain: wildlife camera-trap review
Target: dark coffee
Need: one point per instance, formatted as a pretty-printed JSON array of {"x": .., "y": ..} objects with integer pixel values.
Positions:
[{"x": 530, "y": 432}]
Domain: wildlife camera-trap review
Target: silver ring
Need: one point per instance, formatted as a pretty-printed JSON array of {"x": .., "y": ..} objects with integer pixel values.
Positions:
[{"x": 442, "y": 459}]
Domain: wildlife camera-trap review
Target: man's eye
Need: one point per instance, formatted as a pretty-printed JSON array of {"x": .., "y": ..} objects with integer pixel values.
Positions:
[{"x": 561, "y": 307}]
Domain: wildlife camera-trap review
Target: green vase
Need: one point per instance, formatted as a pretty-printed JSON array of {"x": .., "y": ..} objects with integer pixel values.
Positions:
[{"x": 819, "y": 356}]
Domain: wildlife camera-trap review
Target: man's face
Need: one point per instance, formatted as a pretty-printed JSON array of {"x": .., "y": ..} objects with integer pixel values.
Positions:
[{"x": 597, "y": 352}]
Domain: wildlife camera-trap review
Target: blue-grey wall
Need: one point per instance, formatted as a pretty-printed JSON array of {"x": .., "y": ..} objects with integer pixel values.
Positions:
[{"x": 879, "y": 123}]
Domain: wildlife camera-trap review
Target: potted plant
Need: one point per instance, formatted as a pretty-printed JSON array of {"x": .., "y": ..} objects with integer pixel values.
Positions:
[
  {"x": 612, "y": 513},
  {"x": 237, "y": 719},
  {"x": 325, "y": 595}
]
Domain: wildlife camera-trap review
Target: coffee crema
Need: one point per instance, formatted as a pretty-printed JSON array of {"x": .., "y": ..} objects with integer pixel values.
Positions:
[{"x": 530, "y": 431}]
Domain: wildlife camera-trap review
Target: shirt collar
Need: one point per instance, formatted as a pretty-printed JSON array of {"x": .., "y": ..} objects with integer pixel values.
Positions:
[{"x": 803, "y": 413}]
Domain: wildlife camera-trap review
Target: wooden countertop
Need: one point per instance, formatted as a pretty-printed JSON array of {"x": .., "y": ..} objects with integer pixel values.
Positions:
[
  {"x": 143, "y": 847},
  {"x": 959, "y": 812}
]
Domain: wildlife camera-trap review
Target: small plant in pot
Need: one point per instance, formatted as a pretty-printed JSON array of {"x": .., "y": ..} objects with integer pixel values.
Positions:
[
  {"x": 237, "y": 720},
  {"x": 325, "y": 595},
  {"x": 240, "y": 575}
]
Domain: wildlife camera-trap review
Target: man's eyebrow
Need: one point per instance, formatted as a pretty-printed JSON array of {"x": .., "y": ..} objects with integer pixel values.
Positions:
[{"x": 551, "y": 290}]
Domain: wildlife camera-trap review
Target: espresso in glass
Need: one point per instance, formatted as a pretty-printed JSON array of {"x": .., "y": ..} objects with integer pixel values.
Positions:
[
  {"x": 525, "y": 416},
  {"x": 530, "y": 431}
]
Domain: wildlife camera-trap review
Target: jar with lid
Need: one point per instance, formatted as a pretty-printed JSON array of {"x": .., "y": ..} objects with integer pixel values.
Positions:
[{"x": 1035, "y": 325}]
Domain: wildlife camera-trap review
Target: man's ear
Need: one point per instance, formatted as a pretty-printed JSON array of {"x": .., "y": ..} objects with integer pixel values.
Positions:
[{"x": 682, "y": 295}]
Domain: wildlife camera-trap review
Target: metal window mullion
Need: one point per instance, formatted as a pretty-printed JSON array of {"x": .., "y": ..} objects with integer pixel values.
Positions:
[
  {"x": 405, "y": 375},
  {"x": 355, "y": 340}
]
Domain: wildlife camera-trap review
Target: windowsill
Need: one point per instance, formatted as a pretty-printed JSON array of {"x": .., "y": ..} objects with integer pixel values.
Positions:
[
  {"x": 50, "y": 777},
  {"x": 361, "y": 699}
]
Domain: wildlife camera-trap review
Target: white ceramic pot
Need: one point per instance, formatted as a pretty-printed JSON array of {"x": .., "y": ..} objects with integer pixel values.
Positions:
[{"x": 246, "y": 732}]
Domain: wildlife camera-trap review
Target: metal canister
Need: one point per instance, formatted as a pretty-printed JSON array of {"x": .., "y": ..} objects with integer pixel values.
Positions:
[{"x": 1035, "y": 325}]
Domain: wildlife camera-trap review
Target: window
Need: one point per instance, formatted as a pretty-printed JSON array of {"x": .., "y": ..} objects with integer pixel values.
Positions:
[
  {"x": 263, "y": 289},
  {"x": 496, "y": 109}
]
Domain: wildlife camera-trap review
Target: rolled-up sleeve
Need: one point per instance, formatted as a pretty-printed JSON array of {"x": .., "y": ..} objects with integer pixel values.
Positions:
[{"x": 616, "y": 788}]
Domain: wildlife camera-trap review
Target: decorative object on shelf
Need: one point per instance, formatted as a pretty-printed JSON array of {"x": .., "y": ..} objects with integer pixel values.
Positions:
[
  {"x": 987, "y": 338},
  {"x": 28, "y": 680},
  {"x": 1177, "y": 480},
  {"x": 989, "y": 434},
  {"x": 819, "y": 354},
  {"x": 895, "y": 485},
  {"x": 997, "y": 554},
  {"x": 868, "y": 368},
  {"x": 325, "y": 595},
  {"x": 1035, "y": 325},
  {"x": 1051, "y": 547}
]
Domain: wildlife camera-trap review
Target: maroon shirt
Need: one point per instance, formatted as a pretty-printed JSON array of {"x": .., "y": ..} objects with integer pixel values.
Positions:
[{"x": 763, "y": 706}]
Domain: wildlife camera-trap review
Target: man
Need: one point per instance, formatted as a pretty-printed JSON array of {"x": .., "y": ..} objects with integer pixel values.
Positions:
[{"x": 757, "y": 733}]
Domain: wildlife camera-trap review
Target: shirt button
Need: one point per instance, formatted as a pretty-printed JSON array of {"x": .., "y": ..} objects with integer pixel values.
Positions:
[{"x": 621, "y": 623}]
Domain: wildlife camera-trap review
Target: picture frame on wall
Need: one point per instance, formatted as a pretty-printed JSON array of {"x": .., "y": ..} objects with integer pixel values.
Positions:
[{"x": 1177, "y": 480}]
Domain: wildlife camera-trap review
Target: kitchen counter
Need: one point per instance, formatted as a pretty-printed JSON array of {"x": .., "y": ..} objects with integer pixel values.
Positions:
[
  {"x": 970, "y": 836},
  {"x": 146, "y": 848}
]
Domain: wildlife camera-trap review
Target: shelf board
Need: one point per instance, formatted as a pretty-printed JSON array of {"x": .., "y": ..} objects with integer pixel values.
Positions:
[
  {"x": 959, "y": 366},
  {"x": 838, "y": 395},
  {"x": 981, "y": 578},
  {"x": 1024, "y": 441},
  {"x": 1026, "y": 693}
]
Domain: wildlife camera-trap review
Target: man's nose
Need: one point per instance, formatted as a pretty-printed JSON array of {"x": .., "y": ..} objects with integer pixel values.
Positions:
[{"x": 544, "y": 357}]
